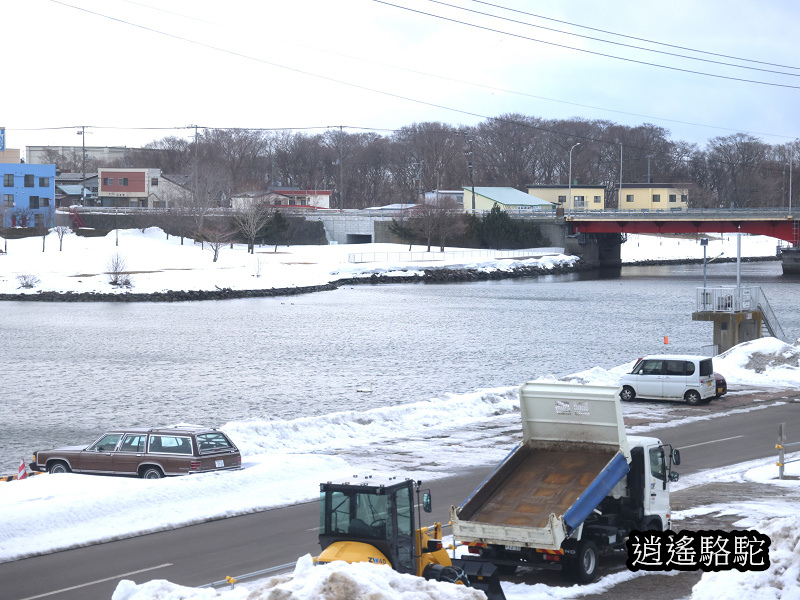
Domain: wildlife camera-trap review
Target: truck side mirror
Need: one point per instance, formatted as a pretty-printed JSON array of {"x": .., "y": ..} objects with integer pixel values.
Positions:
[
  {"x": 673, "y": 476},
  {"x": 426, "y": 501},
  {"x": 676, "y": 456}
]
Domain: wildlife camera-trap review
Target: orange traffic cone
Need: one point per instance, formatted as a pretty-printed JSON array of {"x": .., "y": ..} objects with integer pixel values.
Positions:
[{"x": 23, "y": 473}]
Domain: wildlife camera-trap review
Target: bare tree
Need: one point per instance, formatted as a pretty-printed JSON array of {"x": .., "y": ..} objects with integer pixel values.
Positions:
[
  {"x": 61, "y": 231},
  {"x": 251, "y": 218},
  {"x": 117, "y": 274},
  {"x": 216, "y": 238}
]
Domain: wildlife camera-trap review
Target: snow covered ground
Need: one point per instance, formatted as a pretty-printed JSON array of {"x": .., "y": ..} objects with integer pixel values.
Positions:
[
  {"x": 157, "y": 263},
  {"x": 283, "y": 461}
]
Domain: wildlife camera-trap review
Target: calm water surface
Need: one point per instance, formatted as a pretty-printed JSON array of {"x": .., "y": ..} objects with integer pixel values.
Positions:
[{"x": 71, "y": 370}]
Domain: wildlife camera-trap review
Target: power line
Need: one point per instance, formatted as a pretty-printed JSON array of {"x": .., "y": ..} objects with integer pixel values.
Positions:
[
  {"x": 595, "y": 39},
  {"x": 585, "y": 51},
  {"x": 632, "y": 37},
  {"x": 463, "y": 82}
]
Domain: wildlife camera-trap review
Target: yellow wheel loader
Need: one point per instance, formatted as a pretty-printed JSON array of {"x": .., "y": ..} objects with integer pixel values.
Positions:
[{"x": 368, "y": 521}]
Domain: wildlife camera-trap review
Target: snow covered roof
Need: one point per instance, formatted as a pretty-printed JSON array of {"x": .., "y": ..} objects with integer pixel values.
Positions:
[{"x": 508, "y": 196}]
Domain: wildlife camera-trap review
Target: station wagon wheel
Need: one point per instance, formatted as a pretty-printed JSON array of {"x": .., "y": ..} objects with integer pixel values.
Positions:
[
  {"x": 152, "y": 473},
  {"x": 627, "y": 394},
  {"x": 58, "y": 467},
  {"x": 692, "y": 398}
]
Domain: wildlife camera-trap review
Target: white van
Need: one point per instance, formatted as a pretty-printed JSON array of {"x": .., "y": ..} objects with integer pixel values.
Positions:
[{"x": 671, "y": 377}]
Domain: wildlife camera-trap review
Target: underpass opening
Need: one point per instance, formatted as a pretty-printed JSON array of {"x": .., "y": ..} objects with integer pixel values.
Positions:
[{"x": 359, "y": 238}]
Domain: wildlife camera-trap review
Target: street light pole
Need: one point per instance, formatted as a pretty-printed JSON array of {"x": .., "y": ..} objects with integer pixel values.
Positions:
[{"x": 569, "y": 202}]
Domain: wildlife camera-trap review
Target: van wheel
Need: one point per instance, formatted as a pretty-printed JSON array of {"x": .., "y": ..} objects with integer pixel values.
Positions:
[
  {"x": 627, "y": 394},
  {"x": 692, "y": 398}
]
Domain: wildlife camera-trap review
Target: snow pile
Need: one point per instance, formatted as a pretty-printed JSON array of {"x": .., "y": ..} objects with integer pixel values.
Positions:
[
  {"x": 335, "y": 581},
  {"x": 766, "y": 361}
]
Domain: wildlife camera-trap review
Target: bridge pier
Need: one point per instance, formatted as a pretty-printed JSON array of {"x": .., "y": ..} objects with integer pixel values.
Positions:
[{"x": 731, "y": 328}]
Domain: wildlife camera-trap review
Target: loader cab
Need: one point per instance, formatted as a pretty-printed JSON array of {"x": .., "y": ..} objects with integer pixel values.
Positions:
[{"x": 365, "y": 515}]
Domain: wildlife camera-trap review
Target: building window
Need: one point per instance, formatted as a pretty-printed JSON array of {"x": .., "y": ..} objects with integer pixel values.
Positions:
[
  {"x": 673, "y": 198},
  {"x": 44, "y": 202},
  {"x": 597, "y": 199},
  {"x": 44, "y": 182},
  {"x": 123, "y": 181},
  {"x": 656, "y": 197},
  {"x": 29, "y": 180},
  {"x": 577, "y": 201},
  {"x": 154, "y": 181},
  {"x": 8, "y": 179},
  {"x": 33, "y": 202},
  {"x": 684, "y": 198},
  {"x": 629, "y": 198},
  {"x": 562, "y": 199},
  {"x": 8, "y": 200},
  {"x": 108, "y": 181}
]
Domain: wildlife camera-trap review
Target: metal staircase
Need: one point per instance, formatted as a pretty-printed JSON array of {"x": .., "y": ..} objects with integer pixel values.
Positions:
[{"x": 769, "y": 321}]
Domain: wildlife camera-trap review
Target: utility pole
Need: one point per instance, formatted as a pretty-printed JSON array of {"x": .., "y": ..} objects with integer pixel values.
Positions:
[
  {"x": 82, "y": 133},
  {"x": 341, "y": 171},
  {"x": 419, "y": 181},
  {"x": 619, "y": 194},
  {"x": 470, "y": 168}
]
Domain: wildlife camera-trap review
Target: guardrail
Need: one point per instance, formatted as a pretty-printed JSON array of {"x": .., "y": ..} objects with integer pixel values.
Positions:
[
  {"x": 365, "y": 257},
  {"x": 232, "y": 581},
  {"x": 781, "y": 445},
  {"x": 761, "y": 213}
]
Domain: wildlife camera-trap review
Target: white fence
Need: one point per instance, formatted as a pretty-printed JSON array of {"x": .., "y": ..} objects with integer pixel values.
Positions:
[{"x": 366, "y": 257}]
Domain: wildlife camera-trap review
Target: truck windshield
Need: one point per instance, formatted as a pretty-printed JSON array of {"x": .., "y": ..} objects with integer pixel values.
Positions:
[{"x": 354, "y": 513}]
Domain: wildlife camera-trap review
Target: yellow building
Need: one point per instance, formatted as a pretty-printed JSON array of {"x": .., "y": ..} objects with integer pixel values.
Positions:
[
  {"x": 584, "y": 197},
  {"x": 654, "y": 196}
]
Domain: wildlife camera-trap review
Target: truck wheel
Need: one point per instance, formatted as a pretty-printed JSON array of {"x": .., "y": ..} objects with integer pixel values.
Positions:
[
  {"x": 692, "y": 398},
  {"x": 583, "y": 568},
  {"x": 627, "y": 394},
  {"x": 58, "y": 467}
]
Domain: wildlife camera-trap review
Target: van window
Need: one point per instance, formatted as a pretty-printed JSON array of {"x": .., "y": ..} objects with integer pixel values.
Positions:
[
  {"x": 689, "y": 367},
  {"x": 676, "y": 367},
  {"x": 650, "y": 367},
  {"x": 706, "y": 368}
]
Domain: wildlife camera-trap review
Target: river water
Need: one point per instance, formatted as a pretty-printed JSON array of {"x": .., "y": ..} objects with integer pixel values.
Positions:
[{"x": 71, "y": 370}]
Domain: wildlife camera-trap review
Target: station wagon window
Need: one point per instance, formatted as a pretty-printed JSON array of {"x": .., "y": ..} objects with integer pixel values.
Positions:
[
  {"x": 133, "y": 443},
  {"x": 170, "y": 444},
  {"x": 106, "y": 443},
  {"x": 212, "y": 441},
  {"x": 657, "y": 464}
]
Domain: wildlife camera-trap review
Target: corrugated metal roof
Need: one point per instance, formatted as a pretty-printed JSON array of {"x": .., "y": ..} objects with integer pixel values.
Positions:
[
  {"x": 70, "y": 190},
  {"x": 509, "y": 196}
]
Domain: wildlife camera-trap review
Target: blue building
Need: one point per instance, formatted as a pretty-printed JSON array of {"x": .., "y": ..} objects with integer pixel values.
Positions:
[{"x": 28, "y": 195}]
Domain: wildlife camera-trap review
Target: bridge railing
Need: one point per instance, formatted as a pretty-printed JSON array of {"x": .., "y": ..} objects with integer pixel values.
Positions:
[{"x": 775, "y": 212}]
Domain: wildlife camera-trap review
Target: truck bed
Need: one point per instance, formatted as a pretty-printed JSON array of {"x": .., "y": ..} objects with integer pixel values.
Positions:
[{"x": 533, "y": 484}]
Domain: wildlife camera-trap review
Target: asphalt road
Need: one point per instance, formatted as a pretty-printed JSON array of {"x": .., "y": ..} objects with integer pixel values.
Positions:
[{"x": 208, "y": 552}]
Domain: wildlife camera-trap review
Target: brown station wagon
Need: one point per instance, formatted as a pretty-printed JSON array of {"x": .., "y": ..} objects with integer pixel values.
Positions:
[{"x": 147, "y": 453}]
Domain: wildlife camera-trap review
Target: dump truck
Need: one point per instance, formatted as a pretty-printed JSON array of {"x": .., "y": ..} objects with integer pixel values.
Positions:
[
  {"x": 572, "y": 490},
  {"x": 375, "y": 521}
]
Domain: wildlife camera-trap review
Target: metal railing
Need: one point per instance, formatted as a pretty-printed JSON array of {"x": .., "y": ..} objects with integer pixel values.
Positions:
[
  {"x": 232, "y": 581},
  {"x": 781, "y": 446},
  {"x": 740, "y": 299},
  {"x": 366, "y": 257},
  {"x": 762, "y": 213}
]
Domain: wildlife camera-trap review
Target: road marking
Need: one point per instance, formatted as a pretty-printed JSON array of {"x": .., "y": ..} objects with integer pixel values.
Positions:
[
  {"x": 75, "y": 587},
  {"x": 711, "y": 442}
]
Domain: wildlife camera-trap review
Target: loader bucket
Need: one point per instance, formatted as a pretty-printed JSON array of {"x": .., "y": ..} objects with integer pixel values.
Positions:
[{"x": 482, "y": 576}]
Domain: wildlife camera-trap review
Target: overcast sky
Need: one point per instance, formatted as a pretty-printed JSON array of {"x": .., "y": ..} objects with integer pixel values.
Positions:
[{"x": 123, "y": 67}]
